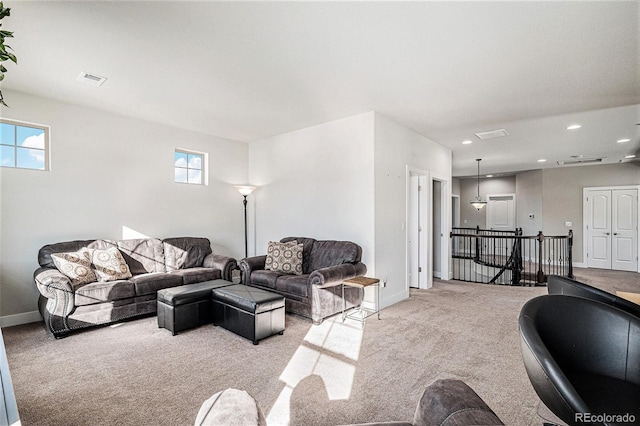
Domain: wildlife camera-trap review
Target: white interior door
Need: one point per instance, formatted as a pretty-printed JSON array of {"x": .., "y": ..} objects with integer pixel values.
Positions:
[
  {"x": 501, "y": 212},
  {"x": 599, "y": 229},
  {"x": 413, "y": 232},
  {"x": 624, "y": 235},
  {"x": 418, "y": 218},
  {"x": 612, "y": 235}
]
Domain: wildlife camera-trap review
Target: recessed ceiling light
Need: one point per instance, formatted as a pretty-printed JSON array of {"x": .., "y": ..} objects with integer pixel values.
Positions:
[
  {"x": 573, "y": 127},
  {"x": 630, "y": 156},
  {"x": 542, "y": 160},
  {"x": 623, "y": 140},
  {"x": 489, "y": 175},
  {"x": 467, "y": 142}
]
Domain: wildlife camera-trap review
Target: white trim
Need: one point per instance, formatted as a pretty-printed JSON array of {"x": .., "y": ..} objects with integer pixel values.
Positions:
[
  {"x": 585, "y": 218},
  {"x": 19, "y": 319}
]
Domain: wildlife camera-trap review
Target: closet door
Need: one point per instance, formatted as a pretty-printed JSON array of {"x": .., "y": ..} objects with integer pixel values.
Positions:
[
  {"x": 599, "y": 229},
  {"x": 612, "y": 234},
  {"x": 624, "y": 235}
]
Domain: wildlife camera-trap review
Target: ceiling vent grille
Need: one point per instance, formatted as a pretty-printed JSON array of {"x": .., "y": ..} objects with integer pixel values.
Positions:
[
  {"x": 581, "y": 161},
  {"x": 89, "y": 78},
  {"x": 492, "y": 134}
]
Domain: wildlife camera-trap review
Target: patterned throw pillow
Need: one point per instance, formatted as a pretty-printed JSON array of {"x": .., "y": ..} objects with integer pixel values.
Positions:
[
  {"x": 284, "y": 257},
  {"x": 110, "y": 265},
  {"x": 76, "y": 265}
]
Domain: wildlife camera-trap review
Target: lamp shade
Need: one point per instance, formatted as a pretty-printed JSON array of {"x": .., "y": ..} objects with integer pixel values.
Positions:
[
  {"x": 478, "y": 204},
  {"x": 245, "y": 189}
]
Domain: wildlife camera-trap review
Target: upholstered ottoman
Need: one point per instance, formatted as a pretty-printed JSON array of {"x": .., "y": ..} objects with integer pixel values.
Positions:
[
  {"x": 187, "y": 306},
  {"x": 248, "y": 311}
]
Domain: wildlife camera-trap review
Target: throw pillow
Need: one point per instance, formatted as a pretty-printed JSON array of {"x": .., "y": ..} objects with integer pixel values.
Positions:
[
  {"x": 110, "y": 265},
  {"x": 284, "y": 257},
  {"x": 75, "y": 265}
]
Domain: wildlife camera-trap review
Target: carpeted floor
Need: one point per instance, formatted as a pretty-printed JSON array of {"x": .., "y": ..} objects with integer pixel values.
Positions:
[{"x": 136, "y": 374}]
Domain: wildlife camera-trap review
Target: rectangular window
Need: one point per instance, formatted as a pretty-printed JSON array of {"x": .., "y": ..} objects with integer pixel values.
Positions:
[
  {"x": 189, "y": 167},
  {"x": 24, "y": 145}
]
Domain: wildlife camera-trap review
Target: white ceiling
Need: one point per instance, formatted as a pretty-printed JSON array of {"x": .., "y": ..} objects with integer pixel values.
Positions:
[{"x": 250, "y": 70}]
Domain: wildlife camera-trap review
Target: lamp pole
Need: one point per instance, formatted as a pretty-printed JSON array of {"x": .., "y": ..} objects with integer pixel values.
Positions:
[
  {"x": 245, "y": 190},
  {"x": 246, "y": 237}
]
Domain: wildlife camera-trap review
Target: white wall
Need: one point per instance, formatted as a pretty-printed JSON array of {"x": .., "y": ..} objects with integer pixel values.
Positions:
[
  {"x": 109, "y": 172},
  {"x": 316, "y": 182},
  {"x": 397, "y": 147},
  {"x": 529, "y": 201}
]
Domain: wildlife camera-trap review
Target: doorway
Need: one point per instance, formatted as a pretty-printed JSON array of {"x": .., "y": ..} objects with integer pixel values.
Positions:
[{"x": 611, "y": 228}]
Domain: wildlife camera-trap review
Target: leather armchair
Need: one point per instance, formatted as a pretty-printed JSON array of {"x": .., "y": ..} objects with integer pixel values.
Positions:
[
  {"x": 562, "y": 285},
  {"x": 582, "y": 358}
]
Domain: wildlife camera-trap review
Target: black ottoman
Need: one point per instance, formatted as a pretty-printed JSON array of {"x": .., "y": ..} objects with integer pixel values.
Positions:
[
  {"x": 248, "y": 311},
  {"x": 187, "y": 306}
]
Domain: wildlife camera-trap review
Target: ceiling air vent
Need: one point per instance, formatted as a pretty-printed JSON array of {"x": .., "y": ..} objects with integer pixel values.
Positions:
[
  {"x": 492, "y": 134},
  {"x": 86, "y": 77},
  {"x": 581, "y": 161}
]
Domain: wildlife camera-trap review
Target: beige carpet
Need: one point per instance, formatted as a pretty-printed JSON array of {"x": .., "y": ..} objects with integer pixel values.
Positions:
[{"x": 136, "y": 374}]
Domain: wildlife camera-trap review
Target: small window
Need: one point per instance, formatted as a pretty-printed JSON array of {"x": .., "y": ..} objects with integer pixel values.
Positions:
[
  {"x": 189, "y": 167},
  {"x": 23, "y": 145}
]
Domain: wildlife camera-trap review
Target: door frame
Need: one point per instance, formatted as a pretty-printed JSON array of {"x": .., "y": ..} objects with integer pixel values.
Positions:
[
  {"x": 445, "y": 227},
  {"x": 585, "y": 217}
]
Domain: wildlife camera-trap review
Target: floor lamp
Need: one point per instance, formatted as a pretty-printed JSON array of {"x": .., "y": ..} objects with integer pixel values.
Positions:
[{"x": 245, "y": 190}]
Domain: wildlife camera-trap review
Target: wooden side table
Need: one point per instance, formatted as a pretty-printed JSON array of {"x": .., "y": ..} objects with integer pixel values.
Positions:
[
  {"x": 631, "y": 297},
  {"x": 360, "y": 313}
]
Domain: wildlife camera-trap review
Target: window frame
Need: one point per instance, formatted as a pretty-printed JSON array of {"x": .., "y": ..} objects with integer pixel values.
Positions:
[
  {"x": 15, "y": 146},
  {"x": 203, "y": 170}
]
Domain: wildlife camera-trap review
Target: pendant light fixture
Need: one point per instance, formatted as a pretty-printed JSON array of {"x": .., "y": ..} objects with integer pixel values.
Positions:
[{"x": 478, "y": 203}]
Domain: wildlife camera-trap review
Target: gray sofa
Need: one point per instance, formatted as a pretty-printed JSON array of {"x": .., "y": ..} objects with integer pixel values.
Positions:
[
  {"x": 316, "y": 293},
  {"x": 154, "y": 264}
]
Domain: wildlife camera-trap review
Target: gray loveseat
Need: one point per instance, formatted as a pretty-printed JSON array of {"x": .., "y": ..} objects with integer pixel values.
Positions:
[
  {"x": 153, "y": 264},
  {"x": 316, "y": 293}
]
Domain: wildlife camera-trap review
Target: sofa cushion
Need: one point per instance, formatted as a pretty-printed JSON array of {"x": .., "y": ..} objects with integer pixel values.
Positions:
[
  {"x": 307, "y": 244},
  {"x": 332, "y": 253},
  {"x": 143, "y": 255},
  {"x": 75, "y": 265},
  {"x": 284, "y": 257},
  {"x": 293, "y": 284},
  {"x": 152, "y": 282},
  {"x": 186, "y": 252},
  {"x": 265, "y": 278},
  {"x": 44, "y": 254},
  {"x": 197, "y": 275},
  {"x": 109, "y": 265},
  {"x": 98, "y": 292}
]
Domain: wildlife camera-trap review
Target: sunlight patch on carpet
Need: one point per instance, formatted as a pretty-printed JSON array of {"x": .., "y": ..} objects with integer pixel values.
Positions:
[{"x": 331, "y": 337}]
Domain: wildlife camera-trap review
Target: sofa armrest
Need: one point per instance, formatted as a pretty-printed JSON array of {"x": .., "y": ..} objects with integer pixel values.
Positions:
[
  {"x": 53, "y": 284},
  {"x": 452, "y": 402},
  {"x": 250, "y": 264},
  {"x": 334, "y": 275},
  {"x": 226, "y": 264},
  {"x": 58, "y": 293}
]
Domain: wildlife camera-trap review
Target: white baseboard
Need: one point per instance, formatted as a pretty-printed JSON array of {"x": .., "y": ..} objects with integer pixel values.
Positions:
[
  {"x": 580, "y": 265},
  {"x": 19, "y": 319}
]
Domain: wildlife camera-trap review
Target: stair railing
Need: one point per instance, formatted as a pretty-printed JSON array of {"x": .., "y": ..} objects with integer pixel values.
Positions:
[{"x": 508, "y": 257}]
